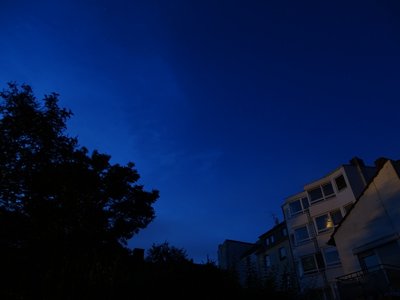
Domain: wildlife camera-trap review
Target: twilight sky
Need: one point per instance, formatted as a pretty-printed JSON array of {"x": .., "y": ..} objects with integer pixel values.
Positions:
[{"x": 226, "y": 107}]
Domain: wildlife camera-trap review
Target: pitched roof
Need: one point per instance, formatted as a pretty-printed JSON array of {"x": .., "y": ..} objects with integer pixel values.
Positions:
[{"x": 396, "y": 165}]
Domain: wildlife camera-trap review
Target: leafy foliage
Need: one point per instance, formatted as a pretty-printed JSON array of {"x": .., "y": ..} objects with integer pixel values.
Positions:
[
  {"x": 61, "y": 209},
  {"x": 164, "y": 253}
]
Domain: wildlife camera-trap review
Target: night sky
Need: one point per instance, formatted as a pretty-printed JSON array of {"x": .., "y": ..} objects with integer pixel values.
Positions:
[{"x": 226, "y": 107}]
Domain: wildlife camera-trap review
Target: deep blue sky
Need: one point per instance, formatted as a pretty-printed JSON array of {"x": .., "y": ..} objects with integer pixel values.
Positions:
[{"x": 226, "y": 107}]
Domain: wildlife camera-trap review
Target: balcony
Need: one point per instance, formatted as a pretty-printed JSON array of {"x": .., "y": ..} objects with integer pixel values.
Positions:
[{"x": 378, "y": 282}]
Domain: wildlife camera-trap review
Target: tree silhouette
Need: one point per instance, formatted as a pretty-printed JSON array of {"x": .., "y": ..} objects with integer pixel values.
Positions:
[
  {"x": 62, "y": 210},
  {"x": 165, "y": 254}
]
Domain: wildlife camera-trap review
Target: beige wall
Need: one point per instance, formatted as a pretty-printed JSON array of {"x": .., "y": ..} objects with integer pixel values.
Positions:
[{"x": 374, "y": 217}]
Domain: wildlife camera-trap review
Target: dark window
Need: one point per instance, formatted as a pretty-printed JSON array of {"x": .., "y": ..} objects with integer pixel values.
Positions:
[
  {"x": 282, "y": 253},
  {"x": 368, "y": 260},
  {"x": 305, "y": 202},
  {"x": 308, "y": 263},
  {"x": 301, "y": 234},
  {"x": 322, "y": 192},
  {"x": 322, "y": 223},
  {"x": 295, "y": 207},
  {"x": 315, "y": 194},
  {"x": 340, "y": 183},
  {"x": 284, "y": 232},
  {"x": 328, "y": 189},
  {"x": 267, "y": 262},
  {"x": 331, "y": 256},
  {"x": 336, "y": 217}
]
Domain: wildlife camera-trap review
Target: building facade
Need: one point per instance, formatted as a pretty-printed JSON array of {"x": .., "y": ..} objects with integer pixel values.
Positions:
[
  {"x": 368, "y": 239},
  {"x": 230, "y": 253},
  {"x": 269, "y": 263},
  {"x": 311, "y": 216}
]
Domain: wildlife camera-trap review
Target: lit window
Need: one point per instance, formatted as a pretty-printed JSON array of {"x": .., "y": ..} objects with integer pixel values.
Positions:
[
  {"x": 328, "y": 221},
  {"x": 340, "y": 183},
  {"x": 323, "y": 223}
]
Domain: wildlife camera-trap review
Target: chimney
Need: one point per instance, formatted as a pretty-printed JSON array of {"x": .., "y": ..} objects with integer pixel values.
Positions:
[
  {"x": 379, "y": 162},
  {"x": 356, "y": 161},
  {"x": 359, "y": 164}
]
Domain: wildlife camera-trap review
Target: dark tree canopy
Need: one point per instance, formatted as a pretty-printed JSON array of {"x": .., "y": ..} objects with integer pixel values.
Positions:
[
  {"x": 60, "y": 206},
  {"x": 49, "y": 181},
  {"x": 164, "y": 253}
]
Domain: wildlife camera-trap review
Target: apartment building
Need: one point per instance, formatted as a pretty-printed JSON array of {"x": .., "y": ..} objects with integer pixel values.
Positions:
[
  {"x": 269, "y": 261},
  {"x": 311, "y": 216},
  {"x": 368, "y": 239},
  {"x": 230, "y": 252}
]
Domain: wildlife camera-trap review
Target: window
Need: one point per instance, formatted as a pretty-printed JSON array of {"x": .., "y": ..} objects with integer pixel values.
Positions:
[
  {"x": 295, "y": 207},
  {"x": 336, "y": 217},
  {"x": 282, "y": 253},
  {"x": 328, "y": 190},
  {"x": 298, "y": 206},
  {"x": 272, "y": 238},
  {"x": 340, "y": 183},
  {"x": 309, "y": 264},
  {"x": 301, "y": 234},
  {"x": 315, "y": 194},
  {"x": 322, "y": 192},
  {"x": 368, "y": 260},
  {"x": 305, "y": 203},
  {"x": 331, "y": 256},
  {"x": 328, "y": 220},
  {"x": 267, "y": 262},
  {"x": 284, "y": 232},
  {"x": 323, "y": 223}
]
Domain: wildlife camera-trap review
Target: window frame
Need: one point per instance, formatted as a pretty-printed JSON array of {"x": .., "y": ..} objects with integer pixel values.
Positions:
[
  {"x": 344, "y": 181},
  {"x": 267, "y": 262},
  {"x": 310, "y": 271},
  {"x": 329, "y": 250},
  {"x": 321, "y": 189},
  {"x": 318, "y": 260},
  {"x": 303, "y": 240},
  {"x": 282, "y": 253},
  {"x": 302, "y": 206},
  {"x": 284, "y": 232},
  {"x": 329, "y": 219}
]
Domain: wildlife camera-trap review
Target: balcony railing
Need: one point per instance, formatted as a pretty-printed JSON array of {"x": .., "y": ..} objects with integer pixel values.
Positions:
[{"x": 375, "y": 282}]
